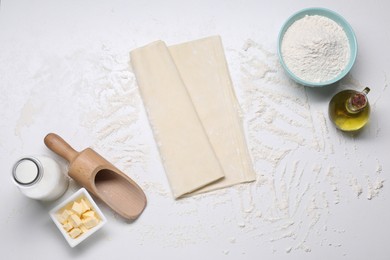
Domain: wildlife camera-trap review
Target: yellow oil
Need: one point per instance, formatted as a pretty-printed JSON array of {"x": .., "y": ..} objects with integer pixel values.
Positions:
[{"x": 344, "y": 118}]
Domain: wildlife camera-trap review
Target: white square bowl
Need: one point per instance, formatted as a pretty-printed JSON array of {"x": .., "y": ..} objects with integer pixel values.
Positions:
[{"x": 81, "y": 193}]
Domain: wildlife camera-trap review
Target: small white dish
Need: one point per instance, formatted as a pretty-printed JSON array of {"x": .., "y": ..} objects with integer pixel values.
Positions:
[{"x": 81, "y": 193}]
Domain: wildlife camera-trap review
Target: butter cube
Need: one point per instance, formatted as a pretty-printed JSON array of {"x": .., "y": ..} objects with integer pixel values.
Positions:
[
  {"x": 90, "y": 222},
  {"x": 77, "y": 208},
  {"x": 89, "y": 214},
  {"x": 75, "y": 220},
  {"x": 63, "y": 217},
  {"x": 75, "y": 232},
  {"x": 67, "y": 226},
  {"x": 83, "y": 228},
  {"x": 85, "y": 205}
]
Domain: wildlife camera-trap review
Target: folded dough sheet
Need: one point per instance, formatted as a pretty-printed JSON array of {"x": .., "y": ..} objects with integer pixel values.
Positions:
[{"x": 194, "y": 114}]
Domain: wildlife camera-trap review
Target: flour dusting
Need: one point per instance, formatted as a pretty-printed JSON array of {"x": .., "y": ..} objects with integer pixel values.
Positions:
[
  {"x": 113, "y": 117},
  {"x": 295, "y": 154}
]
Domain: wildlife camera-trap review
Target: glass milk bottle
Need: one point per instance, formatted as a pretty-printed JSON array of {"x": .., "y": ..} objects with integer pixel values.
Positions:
[{"x": 40, "y": 178}]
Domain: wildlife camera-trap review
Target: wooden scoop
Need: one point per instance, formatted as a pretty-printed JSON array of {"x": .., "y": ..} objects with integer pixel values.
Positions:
[{"x": 101, "y": 178}]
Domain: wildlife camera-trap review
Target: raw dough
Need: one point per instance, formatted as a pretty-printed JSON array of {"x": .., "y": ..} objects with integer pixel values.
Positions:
[
  {"x": 190, "y": 83},
  {"x": 189, "y": 160},
  {"x": 203, "y": 68}
]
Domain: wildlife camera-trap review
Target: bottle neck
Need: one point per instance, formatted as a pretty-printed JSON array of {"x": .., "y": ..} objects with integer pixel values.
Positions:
[
  {"x": 27, "y": 171},
  {"x": 358, "y": 101}
]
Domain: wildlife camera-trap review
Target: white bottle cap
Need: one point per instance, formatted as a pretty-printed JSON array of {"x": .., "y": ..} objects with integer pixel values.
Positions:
[{"x": 27, "y": 171}]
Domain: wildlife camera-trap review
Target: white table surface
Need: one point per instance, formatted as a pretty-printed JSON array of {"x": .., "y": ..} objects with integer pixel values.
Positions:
[{"x": 64, "y": 68}]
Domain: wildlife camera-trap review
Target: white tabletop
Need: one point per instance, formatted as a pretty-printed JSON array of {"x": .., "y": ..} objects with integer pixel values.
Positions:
[{"x": 319, "y": 194}]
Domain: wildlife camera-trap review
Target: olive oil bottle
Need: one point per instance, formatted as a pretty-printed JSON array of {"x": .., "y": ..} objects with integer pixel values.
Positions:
[{"x": 349, "y": 110}]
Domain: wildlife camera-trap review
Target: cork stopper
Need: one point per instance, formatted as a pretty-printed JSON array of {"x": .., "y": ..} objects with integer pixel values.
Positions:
[{"x": 358, "y": 101}]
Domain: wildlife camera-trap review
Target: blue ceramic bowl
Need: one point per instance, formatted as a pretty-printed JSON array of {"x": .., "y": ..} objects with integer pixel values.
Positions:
[{"x": 339, "y": 20}]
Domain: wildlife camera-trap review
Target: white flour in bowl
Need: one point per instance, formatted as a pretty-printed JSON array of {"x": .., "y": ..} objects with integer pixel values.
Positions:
[{"x": 315, "y": 48}]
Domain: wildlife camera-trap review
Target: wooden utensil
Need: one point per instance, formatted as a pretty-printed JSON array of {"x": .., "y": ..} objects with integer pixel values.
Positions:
[{"x": 101, "y": 178}]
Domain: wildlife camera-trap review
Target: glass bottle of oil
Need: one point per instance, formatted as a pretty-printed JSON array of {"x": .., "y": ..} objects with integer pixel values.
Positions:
[{"x": 349, "y": 110}]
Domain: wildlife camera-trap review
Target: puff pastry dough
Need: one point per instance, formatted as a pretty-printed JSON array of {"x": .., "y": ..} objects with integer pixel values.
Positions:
[{"x": 194, "y": 114}]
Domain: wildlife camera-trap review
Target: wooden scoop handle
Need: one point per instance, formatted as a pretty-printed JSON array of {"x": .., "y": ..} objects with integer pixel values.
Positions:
[{"x": 59, "y": 146}]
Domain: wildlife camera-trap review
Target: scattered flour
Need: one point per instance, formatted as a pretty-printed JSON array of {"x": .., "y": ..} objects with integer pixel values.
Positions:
[
  {"x": 315, "y": 48},
  {"x": 295, "y": 153},
  {"x": 27, "y": 115},
  {"x": 374, "y": 188},
  {"x": 356, "y": 187}
]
